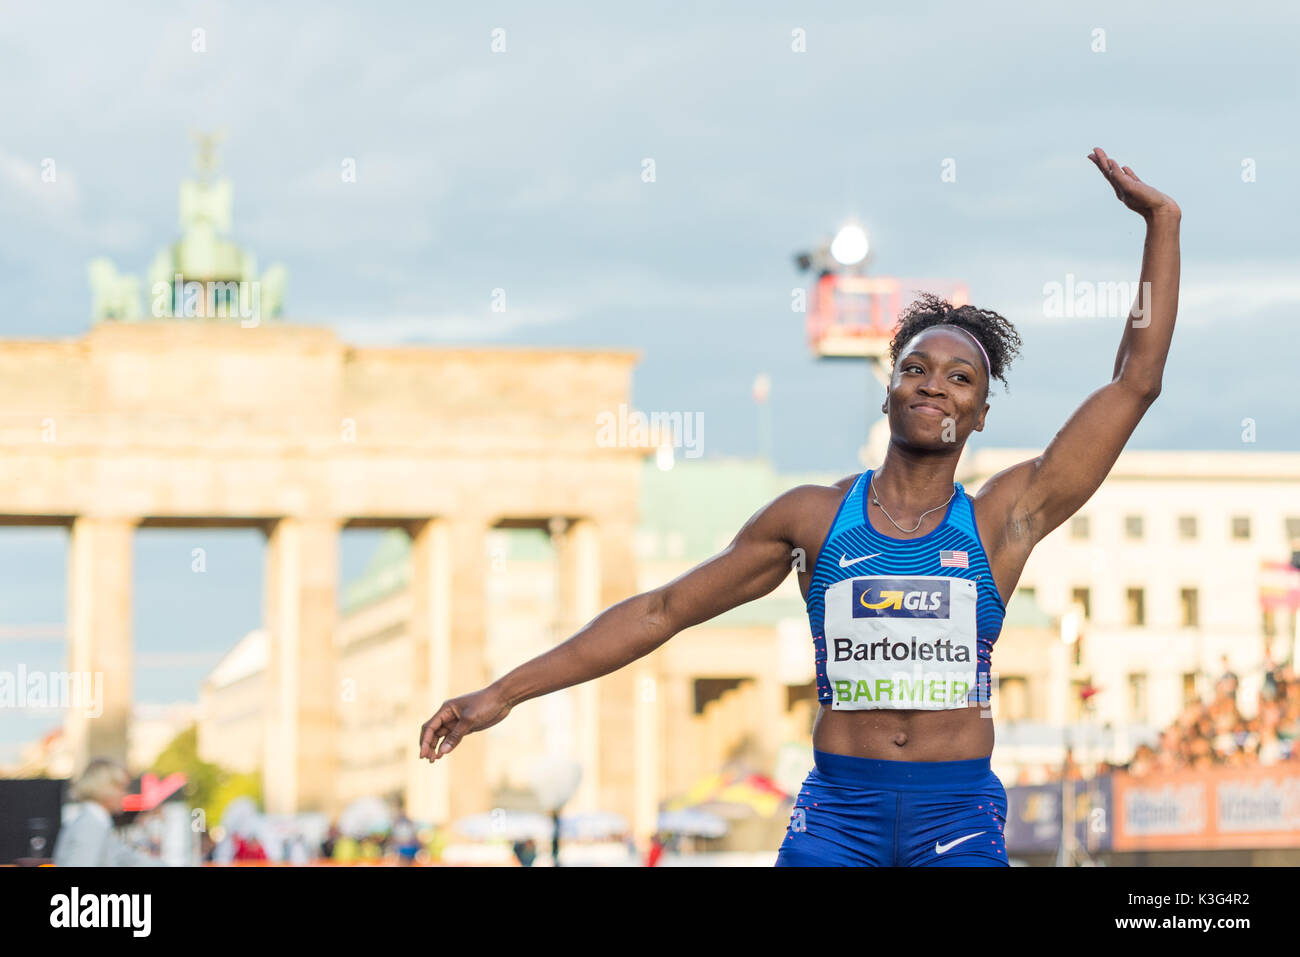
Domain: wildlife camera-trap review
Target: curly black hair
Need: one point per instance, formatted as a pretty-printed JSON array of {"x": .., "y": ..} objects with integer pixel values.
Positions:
[{"x": 995, "y": 333}]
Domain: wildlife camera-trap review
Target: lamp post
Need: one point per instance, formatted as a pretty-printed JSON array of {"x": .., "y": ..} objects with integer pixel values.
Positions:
[
  {"x": 1295, "y": 606},
  {"x": 762, "y": 390},
  {"x": 847, "y": 257},
  {"x": 1067, "y": 853},
  {"x": 554, "y": 782}
]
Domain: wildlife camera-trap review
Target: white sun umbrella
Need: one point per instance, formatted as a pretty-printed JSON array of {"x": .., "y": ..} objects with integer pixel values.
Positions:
[
  {"x": 506, "y": 824},
  {"x": 241, "y": 817},
  {"x": 364, "y": 816},
  {"x": 692, "y": 823},
  {"x": 592, "y": 825},
  {"x": 313, "y": 826}
]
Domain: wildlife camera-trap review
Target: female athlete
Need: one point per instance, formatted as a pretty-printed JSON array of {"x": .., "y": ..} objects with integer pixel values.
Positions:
[{"x": 905, "y": 577}]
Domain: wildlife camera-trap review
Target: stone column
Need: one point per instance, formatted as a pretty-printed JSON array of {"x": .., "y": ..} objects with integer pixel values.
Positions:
[
  {"x": 299, "y": 756},
  {"x": 578, "y": 570},
  {"x": 449, "y": 641},
  {"x": 627, "y": 700},
  {"x": 99, "y": 645}
]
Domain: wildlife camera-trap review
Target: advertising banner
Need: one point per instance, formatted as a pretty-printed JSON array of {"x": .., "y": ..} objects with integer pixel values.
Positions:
[
  {"x": 1034, "y": 815},
  {"x": 1218, "y": 809}
]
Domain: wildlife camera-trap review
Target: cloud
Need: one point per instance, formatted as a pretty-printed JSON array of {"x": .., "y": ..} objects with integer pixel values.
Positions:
[
  {"x": 1243, "y": 290},
  {"x": 50, "y": 632},
  {"x": 386, "y": 176},
  {"x": 1208, "y": 292},
  {"x": 165, "y": 660},
  {"x": 41, "y": 184},
  {"x": 391, "y": 330},
  {"x": 43, "y": 198}
]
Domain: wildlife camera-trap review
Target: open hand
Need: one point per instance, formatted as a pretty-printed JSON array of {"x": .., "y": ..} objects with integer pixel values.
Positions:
[
  {"x": 458, "y": 717},
  {"x": 1135, "y": 194}
]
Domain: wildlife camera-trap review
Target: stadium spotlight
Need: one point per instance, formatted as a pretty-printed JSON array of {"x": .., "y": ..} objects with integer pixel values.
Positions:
[{"x": 849, "y": 247}]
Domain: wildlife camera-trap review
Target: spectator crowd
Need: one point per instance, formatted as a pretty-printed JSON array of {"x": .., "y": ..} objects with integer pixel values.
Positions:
[
  {"x": 402, "y": 843},
  {"x": 1216, "y": 733}
]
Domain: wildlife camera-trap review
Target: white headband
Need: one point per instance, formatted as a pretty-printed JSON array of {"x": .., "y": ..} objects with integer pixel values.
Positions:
[{"x": 987, "y": 365}]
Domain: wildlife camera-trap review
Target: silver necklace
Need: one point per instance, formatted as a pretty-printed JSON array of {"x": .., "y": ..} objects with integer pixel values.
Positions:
[{"x": 875, "y": 501}]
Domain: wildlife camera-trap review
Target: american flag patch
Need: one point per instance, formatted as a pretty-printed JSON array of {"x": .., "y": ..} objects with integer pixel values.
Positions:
[{"x": 953, "y": 559}]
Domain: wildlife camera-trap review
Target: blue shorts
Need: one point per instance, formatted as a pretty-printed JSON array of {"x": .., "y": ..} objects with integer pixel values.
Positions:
[{"x": 863, "y": 812}]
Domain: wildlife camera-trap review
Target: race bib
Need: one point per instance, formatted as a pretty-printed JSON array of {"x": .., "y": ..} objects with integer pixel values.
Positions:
[{"x": 901, "y": 642}]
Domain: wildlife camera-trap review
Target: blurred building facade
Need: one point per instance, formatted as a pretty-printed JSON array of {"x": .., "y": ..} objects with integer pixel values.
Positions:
[
  {"x": 1160, "y": 599},
  {"x": 1162, "y": 568},
  {"x": 151, "y": 729}
]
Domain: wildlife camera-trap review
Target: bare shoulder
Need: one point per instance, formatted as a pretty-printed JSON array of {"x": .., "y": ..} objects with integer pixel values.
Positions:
[
  {"x": 810, "y": 510},
  {"x": 812, "y": 494},
  {"x": 846, "y": 483}
]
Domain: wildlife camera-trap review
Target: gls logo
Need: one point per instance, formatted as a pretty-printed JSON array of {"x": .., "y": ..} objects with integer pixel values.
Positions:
[{"x": 900, "y": 598}]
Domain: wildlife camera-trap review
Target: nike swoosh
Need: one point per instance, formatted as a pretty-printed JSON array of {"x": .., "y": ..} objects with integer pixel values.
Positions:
[
  {"x": 844, "y": 555},
  {"x": 940, "y": 848}
]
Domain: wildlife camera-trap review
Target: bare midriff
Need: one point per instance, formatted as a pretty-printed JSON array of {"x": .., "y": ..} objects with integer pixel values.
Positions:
[{"x": 958, "y": 734}]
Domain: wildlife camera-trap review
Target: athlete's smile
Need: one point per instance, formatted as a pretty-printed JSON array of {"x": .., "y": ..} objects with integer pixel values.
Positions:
[{"x": 927, "y": 407}]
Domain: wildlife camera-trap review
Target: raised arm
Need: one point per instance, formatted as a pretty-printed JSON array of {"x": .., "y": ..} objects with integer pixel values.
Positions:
[
  {"x": 1043, "y": 492},
  {"x": 757, "y": 560}
]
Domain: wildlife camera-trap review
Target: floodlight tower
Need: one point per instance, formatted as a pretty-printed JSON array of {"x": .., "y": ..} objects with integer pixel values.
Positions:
[{"x": 852, "y": 315}]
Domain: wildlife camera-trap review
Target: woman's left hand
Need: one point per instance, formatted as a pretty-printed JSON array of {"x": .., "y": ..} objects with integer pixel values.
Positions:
[{"x": 1145, "y": 200}]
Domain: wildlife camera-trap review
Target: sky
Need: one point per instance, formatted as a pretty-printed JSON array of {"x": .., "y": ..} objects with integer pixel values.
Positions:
[{"x": 522, "y": 168}]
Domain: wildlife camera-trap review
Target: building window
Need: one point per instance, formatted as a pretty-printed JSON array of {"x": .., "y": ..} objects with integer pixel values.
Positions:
[
  {"x": 1269, "y": 624},
  {"x": 708, "y": 690},
  {"x": 1136, "y": 600},
  {"x": 1189, "y": 689},
  {"x": 1292, "y": 529},
  {"x": 1189, "y": 602},
  {"x": 797, "y": 693},
  {"x": 1027, "y": 592},
  {"x": 1133, "y": 526},
  {"x": 1083, "y": 598},
  {"x": 1079, "y": 527},
  {"x": 1137, "y": 697},
  {"x": 1241, "y": 527},
  {"x": 1187, "y": 527}
]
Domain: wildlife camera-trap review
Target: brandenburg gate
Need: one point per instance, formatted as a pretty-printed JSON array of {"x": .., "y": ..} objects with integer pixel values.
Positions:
[{"x": 288, "y": 429}]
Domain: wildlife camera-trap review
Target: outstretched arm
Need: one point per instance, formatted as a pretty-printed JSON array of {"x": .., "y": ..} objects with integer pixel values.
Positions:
[
  {"x": 757, "y": 560},
  {"x": 1045, "y": 491}
]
